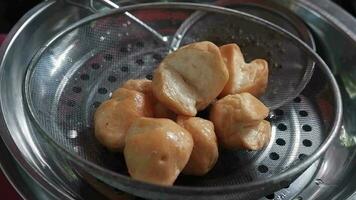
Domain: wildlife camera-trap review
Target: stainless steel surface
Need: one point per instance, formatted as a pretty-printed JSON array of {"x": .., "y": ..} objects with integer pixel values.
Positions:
[
  {"x": 287, "y": 88},
  {"x": 160, "y": 37},
  {"x": 326, "y": 20},
  {"x": 332, "y": 180},
  {"x": 22, "y": 146},
  {"x": 88, "y": 53},
  {"x": 90, "y": 5},
  {"x": 281, "y": 57}
]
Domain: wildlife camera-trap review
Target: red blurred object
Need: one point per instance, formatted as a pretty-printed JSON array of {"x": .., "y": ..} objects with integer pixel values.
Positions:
[
  {"x": 2, "y": 38},
  {"x": 6, "y": 189}
]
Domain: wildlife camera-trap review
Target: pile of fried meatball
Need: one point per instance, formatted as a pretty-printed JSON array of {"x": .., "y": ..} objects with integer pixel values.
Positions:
[{"x": 154, "y": 122}]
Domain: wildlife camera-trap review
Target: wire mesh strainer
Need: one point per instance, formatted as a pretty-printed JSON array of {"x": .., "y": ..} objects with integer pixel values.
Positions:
[{"x": 79, "y": 68}]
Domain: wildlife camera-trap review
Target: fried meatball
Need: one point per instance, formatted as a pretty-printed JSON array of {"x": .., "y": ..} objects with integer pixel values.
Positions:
[
  {"x": 243, "y": 77},
  {"x": 114, "y": 116},
  {"x": 157, "y": 150},
  {"x": 189, "y": 79},
  {"x": 239, "y": 116},
  {"x": 140, "y": 85},
  {"x": 205, "y": 151},
  {"x": 247, "y": 136},
  {"x": 145, "y": 86}
]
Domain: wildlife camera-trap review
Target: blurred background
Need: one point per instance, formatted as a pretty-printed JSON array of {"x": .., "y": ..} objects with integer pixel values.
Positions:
[{"x": 12, "y": 10}]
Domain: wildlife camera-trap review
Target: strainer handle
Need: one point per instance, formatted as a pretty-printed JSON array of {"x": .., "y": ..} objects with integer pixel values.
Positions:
[{"x": 89, "y": 4}]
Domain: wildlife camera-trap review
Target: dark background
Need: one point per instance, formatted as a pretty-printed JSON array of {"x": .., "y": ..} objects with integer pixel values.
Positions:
[
  {"x": 349, "y": 5},
  {"x": 12, "y": 10}
]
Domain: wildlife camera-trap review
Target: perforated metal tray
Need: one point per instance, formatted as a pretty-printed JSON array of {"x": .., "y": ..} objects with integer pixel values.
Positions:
[{"x": 313, "y": 188}]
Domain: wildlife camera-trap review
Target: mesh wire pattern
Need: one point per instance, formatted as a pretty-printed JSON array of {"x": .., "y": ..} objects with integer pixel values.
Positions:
[{"x": 78, "y": 69}]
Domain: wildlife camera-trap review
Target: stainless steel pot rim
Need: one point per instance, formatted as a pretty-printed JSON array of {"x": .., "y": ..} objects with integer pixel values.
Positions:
[
  {"x": 127, "y": 181},
  {"x": 5, "y": 135}
]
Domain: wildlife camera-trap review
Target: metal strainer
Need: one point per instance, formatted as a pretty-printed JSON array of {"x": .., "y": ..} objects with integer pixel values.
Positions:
[{"x": 81, "y": 66}]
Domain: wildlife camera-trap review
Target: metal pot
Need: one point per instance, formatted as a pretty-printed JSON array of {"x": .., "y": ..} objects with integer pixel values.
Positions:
[{"x": 59, "y": 180}]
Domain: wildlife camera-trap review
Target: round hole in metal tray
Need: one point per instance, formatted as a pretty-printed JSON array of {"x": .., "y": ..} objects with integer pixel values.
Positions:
[
  {"x": 297, "y": 100},
  {"x": 77, "y": 89},
  {"x": 307, "y": 128},
  {"x": 149, "y": 76},
  {"x": 140, "y": 62},
  {"x": 282, "y": 127},
  {"x": 102, "y": 91},
  {"x": 302, "y": 156},
  {"x": 281, "y": 142},
  {"x": 274, "y": 156},
  {"x": 108, "y": 57},
  {"x": 263, "y": 169},
  {"x": 124, "y": 69},
  {"x": 112, "y": 79},
  {"x": 95, "y": 66},
  {"x": 303, "y": 113},
  {"x": 279, "y": 112},
  {"x": 307, "y": 143},
  {"x": 270, "y": 196}
]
